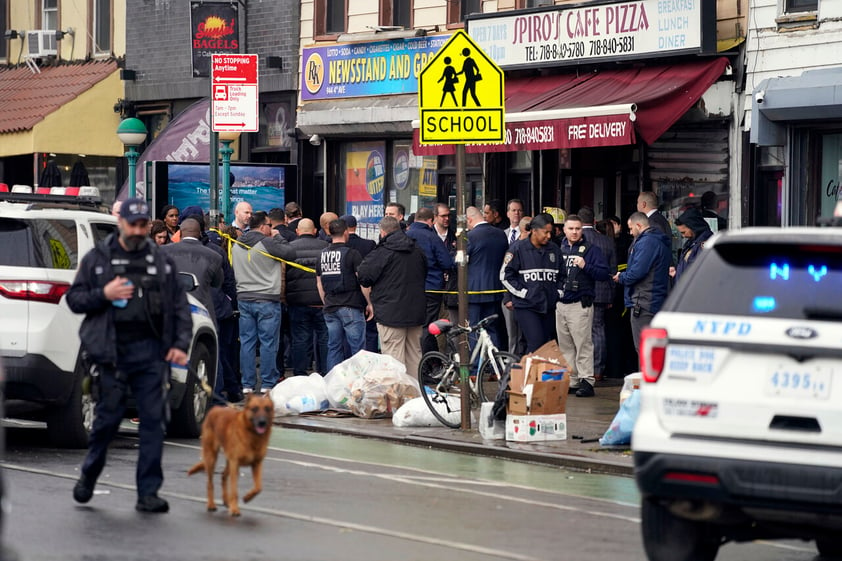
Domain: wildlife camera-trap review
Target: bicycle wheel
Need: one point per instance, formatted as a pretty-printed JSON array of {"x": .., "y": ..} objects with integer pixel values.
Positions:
[
  {"x": 491, "y": 372},
  {"x": 437, "y": 375}
]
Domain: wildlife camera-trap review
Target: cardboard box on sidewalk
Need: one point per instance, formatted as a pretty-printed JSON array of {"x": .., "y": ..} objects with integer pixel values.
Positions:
[
  {"x": 536, "y": 428},
  {"x": 536, "y": 409},
  {"x": 546, "y": 398}
]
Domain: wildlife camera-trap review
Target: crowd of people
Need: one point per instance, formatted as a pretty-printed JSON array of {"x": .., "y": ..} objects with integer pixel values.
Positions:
[{"x": 290, "y": 294}]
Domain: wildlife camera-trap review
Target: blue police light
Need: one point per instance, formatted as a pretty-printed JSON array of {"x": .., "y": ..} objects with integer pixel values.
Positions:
[{"x": 764, "y": 304}]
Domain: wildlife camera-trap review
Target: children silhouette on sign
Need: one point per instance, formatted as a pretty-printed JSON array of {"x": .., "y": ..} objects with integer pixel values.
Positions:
[
  {"x": 450, "y": 81},
  {"x": 471, "y": 72}
]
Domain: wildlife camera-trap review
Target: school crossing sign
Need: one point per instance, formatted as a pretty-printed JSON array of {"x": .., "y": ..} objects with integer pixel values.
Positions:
[{"x": 460, "y": 96}]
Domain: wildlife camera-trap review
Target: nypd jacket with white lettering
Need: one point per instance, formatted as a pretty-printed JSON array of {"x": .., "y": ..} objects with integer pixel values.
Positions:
[
  {"x": 577, "y": 283},
  {"x": 531, "y": 275}
]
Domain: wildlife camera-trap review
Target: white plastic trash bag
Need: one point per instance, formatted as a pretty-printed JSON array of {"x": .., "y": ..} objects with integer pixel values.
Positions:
[
  {"x": 341, "y": 377},
  {"x": 381, "y": 392},
  {"x": 415, "y": 413},
  {"x": 299, "y": 394}
]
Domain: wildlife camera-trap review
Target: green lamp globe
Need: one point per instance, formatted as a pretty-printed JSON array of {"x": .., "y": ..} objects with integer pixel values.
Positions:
[{"x": 131, "y": 132}]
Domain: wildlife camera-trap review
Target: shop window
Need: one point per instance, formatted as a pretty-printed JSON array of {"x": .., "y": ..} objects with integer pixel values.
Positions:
[
  {"x": 458, "y": 10},
  {"x": 330, "y": 18},
  {"x": 800, "y": 6},
  {"x": 102, "y": 26},
  {"x": 396, "y": 12}
]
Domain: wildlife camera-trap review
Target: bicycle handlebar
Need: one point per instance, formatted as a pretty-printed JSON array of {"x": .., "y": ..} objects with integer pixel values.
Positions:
[{"x": 444, "y": 326}]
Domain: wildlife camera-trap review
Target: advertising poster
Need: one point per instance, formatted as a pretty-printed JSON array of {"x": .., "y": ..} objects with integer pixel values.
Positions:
[
  {"x": 365, "y": 183},
  {"x": 188, "y": 184},
  {"x": 214, "y": 29},
  {"x": 429, "y": 177}
]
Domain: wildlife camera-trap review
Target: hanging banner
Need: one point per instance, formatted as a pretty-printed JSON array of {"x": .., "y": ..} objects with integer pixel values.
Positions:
[
  {"x": 214, "y": 29},
  {"x": 185, "y": 139}
]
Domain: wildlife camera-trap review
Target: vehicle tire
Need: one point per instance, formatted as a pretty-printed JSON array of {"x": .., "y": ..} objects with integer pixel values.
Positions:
[
  {"x": 670, "y": 538},
  {"x": 433, "y": 367},
  {"x": 489, "y": 377},
  {"x": 829, "y": 548},
  {"x": 69, "y": 424},
  {"x": 187, "y": 418}
]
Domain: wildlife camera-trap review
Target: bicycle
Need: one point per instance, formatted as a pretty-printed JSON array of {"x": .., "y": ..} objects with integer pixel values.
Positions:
[{"x": 439, "y": 376}]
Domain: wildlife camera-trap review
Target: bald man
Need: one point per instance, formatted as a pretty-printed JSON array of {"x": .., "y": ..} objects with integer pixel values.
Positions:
[
  {"x": 305, "y": 304},
  {"x": 191, "y": 256},
  {"x": 242, "y": 216},
  {"x": 324, "y": 221}
]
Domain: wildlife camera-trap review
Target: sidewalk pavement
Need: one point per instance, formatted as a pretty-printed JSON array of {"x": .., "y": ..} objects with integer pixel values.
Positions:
[{"x": 587, "y": 420}]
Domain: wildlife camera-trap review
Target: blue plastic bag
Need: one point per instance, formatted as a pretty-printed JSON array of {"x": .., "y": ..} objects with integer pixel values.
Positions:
[{"x": 620, "y": 430}]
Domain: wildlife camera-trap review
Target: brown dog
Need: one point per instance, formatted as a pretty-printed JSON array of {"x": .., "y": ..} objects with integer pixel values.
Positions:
[{"x": 243, "y": 435}]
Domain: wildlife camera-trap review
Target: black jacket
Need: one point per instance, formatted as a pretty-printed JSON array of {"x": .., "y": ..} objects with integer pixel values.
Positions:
[
  {"x": 604, "y": 290},
  {"x": 396, "y": 271},
  {"x": 531, "y": 275},
  {"x": 301, "y": 289},
  {"x": 362, "y": 245},
  {"x": 579, "y": 285},
  {"x": 190, "y": 256},
  {"x": 86, "y": 296}
]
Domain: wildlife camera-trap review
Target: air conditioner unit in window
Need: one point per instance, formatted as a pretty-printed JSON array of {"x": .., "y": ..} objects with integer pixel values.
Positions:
[{"x": 40, "y": 43}]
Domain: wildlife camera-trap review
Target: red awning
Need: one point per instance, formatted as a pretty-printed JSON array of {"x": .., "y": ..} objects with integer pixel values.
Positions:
[{"x": 577, "y": 111}]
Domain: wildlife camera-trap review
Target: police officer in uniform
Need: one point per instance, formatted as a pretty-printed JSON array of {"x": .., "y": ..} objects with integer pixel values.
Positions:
[
  {"x": 137, "y": 320},
  {"x": 531, "y": 273},
  {"x": 582, "y": 266},
  {"x": 346, "y": 304}
]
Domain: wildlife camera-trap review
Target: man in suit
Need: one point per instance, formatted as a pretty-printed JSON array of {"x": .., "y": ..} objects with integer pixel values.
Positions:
[
  {"x": 603, "y": 289},
  {"x": 487, "y": 246},
  {"x": 514, "y": 212},
  {"x": 647, "y": 203}
]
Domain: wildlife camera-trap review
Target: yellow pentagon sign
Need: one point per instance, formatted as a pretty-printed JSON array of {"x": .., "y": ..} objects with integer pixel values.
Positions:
[{"x": 460, "y": 96}]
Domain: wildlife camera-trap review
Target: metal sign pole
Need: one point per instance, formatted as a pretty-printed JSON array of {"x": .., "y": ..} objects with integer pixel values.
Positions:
[
  {"x": 462, "y": 282},
  {"x": 214, "y": 180}
]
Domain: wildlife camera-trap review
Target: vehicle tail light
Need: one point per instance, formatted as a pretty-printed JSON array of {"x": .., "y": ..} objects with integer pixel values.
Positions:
[
  {"x": 38, "y": 291},
  {"x": 687, "y": 477},
  {"x": 653, "y": 352}
]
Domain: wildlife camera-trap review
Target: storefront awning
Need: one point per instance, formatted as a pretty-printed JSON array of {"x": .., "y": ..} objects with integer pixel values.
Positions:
[
  {"x": 814, "y": 95},
  {"x": 61, "y": 109},
  {"x": 603, "y": 108},
  {"x": 375, "y": 115}
]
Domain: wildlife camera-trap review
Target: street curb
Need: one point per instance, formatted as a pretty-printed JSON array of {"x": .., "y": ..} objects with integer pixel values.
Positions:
[{"x": 579, "y": 463}]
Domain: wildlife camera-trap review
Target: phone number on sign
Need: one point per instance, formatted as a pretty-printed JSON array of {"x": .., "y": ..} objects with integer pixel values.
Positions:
[{"x": 581, "y": 49}]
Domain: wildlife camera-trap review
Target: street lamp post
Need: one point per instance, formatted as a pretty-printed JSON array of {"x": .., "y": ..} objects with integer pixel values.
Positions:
[
  {"x": 132, "y": 132},
  {"x": 226, "y": 137}
]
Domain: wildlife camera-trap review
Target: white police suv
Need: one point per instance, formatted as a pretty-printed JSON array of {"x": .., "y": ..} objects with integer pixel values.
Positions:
[
  {"x": 740, "y": 429},
  {"x": 42, "y": 241}
]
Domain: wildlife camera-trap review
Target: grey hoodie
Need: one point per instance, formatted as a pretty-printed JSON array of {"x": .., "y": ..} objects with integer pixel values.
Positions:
[{"x": 259, "y": 276}]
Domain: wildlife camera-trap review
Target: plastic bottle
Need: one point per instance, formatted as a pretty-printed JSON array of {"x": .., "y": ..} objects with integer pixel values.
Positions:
[
  {"x": 302, "y": 403},
  {"x": 122, "y": 302}
]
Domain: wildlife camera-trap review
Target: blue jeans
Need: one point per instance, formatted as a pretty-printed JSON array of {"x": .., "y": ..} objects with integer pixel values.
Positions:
[
  {"x": 259, "y": 319},
  {"x": 342, "y": 324},
  {"x": 307, "y": 323}
]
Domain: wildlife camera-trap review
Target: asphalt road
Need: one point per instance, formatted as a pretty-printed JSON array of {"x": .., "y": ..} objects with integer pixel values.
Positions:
[{"x": 332, "y": 497}]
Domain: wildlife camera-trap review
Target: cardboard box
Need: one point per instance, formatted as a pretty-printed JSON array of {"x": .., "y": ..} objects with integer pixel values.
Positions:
[
  {"x": 549, "y": 398},
  {"x": 536, "y": 428}
]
